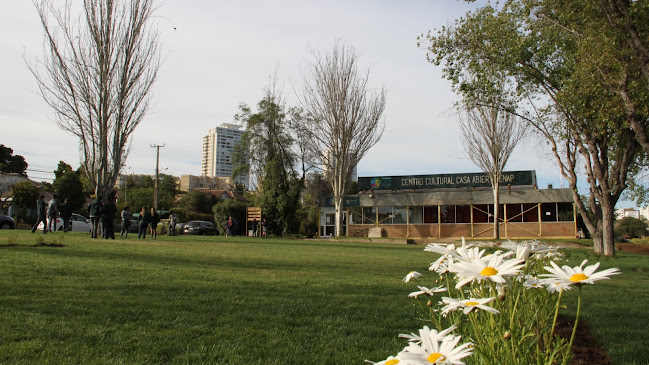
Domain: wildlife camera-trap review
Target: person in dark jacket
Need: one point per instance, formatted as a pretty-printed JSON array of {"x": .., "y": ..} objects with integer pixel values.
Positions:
[
  {"x": 126, "y": 221},
  {"x": 143, "y": 222},
  {"x": 53, "y": 212},
  {"x": 108, "y": 215},
  {"x": 41, "y": 212},
  {"x": 155, "y": 219},
  {"x": 94, "y": 211},
  {"x": 66, "y": 215}
]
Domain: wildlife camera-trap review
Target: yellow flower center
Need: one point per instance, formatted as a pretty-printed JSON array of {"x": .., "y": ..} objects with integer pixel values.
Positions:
[
  {"x": 392, "y": 362},
  {"x": 468, "y": 304},
  {"x": 578, "y": 277},
  {"x": 488, "y": 271},
  {"x": 434, "y": 357}
]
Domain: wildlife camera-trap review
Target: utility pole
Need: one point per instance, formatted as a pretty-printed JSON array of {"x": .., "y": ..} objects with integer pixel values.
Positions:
[{"x": 157, "y": 171}]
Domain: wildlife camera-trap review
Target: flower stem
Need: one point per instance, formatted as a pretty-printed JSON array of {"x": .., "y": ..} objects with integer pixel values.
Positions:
[
  {"x": 556, "y": 314},
  {"x": 574, "y": 330}
]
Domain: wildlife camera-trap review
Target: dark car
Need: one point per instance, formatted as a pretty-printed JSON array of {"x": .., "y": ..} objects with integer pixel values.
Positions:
[
  {"x": 6, "y": 222},
  {"x": 204, "y": 228}
]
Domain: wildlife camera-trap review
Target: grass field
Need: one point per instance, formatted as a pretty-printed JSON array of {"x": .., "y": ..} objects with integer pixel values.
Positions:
[{"x": 192, "y": 300}]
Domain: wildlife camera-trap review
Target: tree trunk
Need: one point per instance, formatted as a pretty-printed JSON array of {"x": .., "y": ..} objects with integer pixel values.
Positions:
[
  {"x": 338, "y": 202},
  {"x": 608, "y": 220},
  {"x": 496, "y": 191}
]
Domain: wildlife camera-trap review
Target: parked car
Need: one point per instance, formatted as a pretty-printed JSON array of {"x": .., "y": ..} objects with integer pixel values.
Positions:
[
  {"x": 79, "y": 224},
  {"x": 6, "y": 222},
  {"x": 204, "y": 228}
]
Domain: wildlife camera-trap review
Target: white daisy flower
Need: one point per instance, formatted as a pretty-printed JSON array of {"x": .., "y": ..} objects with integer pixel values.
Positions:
[
  {"x": 440, "y": 266},
  {"x": 469, "y": 253},
  {"x": 391, "y": 360},
  {"x": 554, "y": 286},
  {"x": 440, "y": 248},
  {"x": 439, "y": 336},
  {"x": 434, "y": 350},
  {"x": 495, "y": 269},
  {"x": 524, "y": 249},
  {"x": 425, "y": 290},
  {"x": 467, "y": 305},
  {"x": 533, "y": 282},
  {"x": 411, "y": 275},
  {"x": 577, "y": 275}
]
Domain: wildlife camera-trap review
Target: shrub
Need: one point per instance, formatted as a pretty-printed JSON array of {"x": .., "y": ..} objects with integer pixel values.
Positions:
[{"x": 630, "y": 227}]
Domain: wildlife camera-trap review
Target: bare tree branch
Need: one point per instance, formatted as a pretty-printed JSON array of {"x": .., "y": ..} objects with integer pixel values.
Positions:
[
  {"x": 97, "y": 75},
  {"x": 343, "y": 117}
]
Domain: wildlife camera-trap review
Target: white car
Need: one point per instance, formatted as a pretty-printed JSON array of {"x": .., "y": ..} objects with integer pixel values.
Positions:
[{"x": 79, "y": 223}]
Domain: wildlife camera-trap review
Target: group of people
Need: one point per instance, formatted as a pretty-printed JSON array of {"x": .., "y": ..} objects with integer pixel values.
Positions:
[
  {"x": 102, "y": 217},
  {"x": 264, "y": 228},
  {"x": 47, "y": 213}
]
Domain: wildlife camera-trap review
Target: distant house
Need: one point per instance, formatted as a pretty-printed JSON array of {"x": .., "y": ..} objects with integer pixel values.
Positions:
[{"x": 627, "y": 212}]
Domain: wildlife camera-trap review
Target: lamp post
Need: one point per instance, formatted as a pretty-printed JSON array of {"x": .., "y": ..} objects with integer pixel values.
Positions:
[{"x": 157, "y": 171}]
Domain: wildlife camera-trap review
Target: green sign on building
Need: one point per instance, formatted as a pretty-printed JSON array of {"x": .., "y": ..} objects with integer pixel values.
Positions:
[{"x": 444, "y": 181}]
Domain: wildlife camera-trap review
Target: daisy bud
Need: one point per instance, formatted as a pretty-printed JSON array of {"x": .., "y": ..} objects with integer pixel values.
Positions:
[
  {"x": 429, "y": 303},
  {"x": 501, "y": 293},
  {"x": 507, "y": 335}
]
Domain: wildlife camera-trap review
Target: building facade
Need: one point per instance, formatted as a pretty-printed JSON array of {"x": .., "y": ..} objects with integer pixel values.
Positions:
[
  {"x": 218, "y": 149},
  {"x": 191, "y": 182},
  {"x": 454, "y": 206}
]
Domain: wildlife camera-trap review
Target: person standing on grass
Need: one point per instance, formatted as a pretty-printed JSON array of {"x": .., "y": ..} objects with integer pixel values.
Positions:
[
  {"x": 94, "y": 211},
  {"x": 108, "y": 215},
  {"x": 143, "y": 222},
  {"x": 155, "y": 219},
  {"x": 254, "y": 227},
  {"x": 228, "y": 227},
  {"x": 53, "y": 210},
  {"x": 264, "y": 228},
  {"x": 41, "y": 214},
  {"x": 172, "y": 224},
  {"x": 66, "y": 215},
  {"x": 126, "y": 221}
]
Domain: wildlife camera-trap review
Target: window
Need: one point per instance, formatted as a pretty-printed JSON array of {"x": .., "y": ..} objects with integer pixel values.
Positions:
[
  {"x": 530, "y": 212},
  {"x": 416, "y": 215},
  {"x": 385, "y": 215},
  {"x": 447, "y": 213},
  {"x": 565, "y": 212},
  {"x": 514, "y": 212},
  {"x": 549, "y": 212},
  {"x": 369, "y": 215},
  {"x": 481, "y": 213},
  {"x": 431, "y": 214},
  {"x": 400, "y": 215},
  {"x": 356, "y": 215},
  {"x": 462, "y": 214}
]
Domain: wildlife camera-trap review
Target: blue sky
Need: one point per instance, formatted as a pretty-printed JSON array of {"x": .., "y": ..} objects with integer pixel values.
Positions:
[{"x": 219, "y": 54}]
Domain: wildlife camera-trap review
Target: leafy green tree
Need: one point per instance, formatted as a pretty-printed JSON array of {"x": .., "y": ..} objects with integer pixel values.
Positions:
[
  {"x": 230, "y": 208},
  {"x": 550, "y": 58},
  {"x": 310, "y": 216},
  {"x": 67, "y": 185},
  {"x": 195, "y": 205},
  {"x": 631, "y": 227},
  {"x": 10, "y": 163},
  {"x": 265, "y": 151},
  {"x": 140, "y": 193},
  {"x": 25, "y": 194}
]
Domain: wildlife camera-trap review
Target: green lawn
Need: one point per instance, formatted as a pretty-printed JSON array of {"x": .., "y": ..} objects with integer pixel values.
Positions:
[{"x": 242, "y": 301}]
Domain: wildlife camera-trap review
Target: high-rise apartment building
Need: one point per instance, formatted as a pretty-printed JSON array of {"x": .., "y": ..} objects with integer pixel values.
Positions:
[{"x": 218, "y": 148}]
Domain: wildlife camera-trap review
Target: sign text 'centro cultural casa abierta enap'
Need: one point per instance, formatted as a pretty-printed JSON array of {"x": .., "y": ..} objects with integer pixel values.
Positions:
[{"x": 444, "y": 181}]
